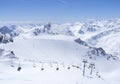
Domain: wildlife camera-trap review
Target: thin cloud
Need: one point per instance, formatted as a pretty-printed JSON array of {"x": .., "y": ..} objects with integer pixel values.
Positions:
[{"x": 62, "y": 1}]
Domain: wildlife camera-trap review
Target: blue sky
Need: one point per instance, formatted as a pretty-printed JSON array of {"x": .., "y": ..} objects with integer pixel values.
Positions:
[{"x": 58, "y": 10}]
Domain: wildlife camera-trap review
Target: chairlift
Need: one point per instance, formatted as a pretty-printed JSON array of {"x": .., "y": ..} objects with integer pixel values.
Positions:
[
  {"x": 77, "y": 67},
  {"x": 57, "y": 68},
  {"x": 42, "y": 69},
  {"x": 19, "y": 68},
  {"x": 68, "y": 68}
]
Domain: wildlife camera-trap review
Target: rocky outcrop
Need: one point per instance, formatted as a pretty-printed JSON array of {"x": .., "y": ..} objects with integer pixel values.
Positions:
[
  {"x": 81, "y": 42},
  {"x": 5, "y": 38},
  {"x": 93, "y": 51}
]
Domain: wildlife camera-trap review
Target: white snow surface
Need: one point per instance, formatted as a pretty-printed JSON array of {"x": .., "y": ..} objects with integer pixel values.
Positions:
[
  {"x": 34, "y": 75},
  {"x": 58, "y": 50},
  {"x": 46, "y": 49}
]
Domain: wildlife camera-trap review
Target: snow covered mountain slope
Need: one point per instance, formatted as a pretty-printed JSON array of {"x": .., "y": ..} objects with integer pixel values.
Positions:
[
  {"x": 49, "y": 51},
  {"x": 103, "y": 34},
  {"x": 53, "y": 48},
  {"x": 46, "y": 50},
  {"x": 93, "y": 32},
  {"x": 109, "y": 42}
]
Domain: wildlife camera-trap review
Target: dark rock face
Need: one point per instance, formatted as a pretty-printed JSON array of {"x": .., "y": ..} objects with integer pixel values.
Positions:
[
  {"x": 81, "y": 42},
  {"x": 93, "y": 51},
  {"x": 97, "y": 51},
  {"x": 100, "y": 52},
  {"x": 81, "y": 32},
  {"x": 47, "y": 26},
  {"x": 37, "y": 31},
  {"x": 5, "y": 30},
  {"x": 7, "y": 33},
  {"x": 45, "y": 29},
  {"x": 11, "y": 30},
  {"x": 5, "y": 38}
]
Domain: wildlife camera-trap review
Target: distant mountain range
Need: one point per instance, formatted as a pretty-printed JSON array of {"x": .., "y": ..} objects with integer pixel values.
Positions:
[{"x": 97, "y": 33}]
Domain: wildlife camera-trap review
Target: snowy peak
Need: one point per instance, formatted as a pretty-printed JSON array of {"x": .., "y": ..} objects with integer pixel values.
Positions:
[
  {"x": 99, "y": 25},
  {"x": 66, "y": 28},
  {"x": 12, "y": 30}
]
